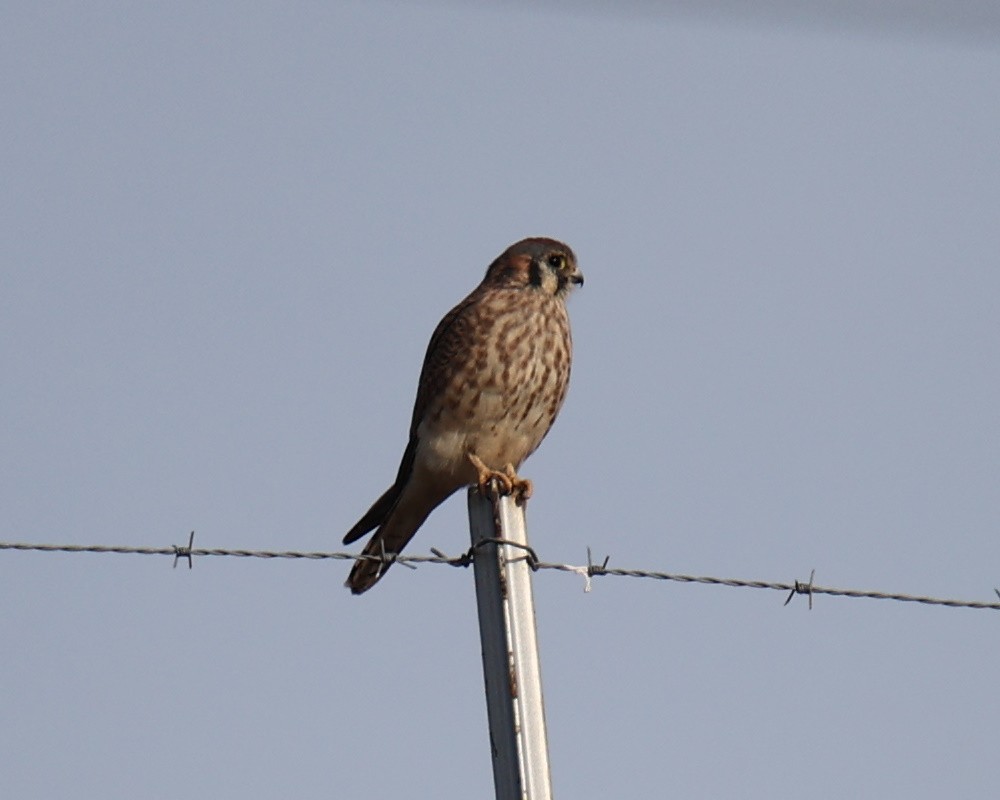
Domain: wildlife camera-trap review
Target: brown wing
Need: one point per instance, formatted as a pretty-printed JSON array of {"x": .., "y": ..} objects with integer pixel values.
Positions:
[
  {"x": 448, "y": 345},
  {"x": 449, "y": 340}
]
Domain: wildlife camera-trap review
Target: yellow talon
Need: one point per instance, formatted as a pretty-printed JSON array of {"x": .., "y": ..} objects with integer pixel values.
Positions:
[
  {"x": 507, "y": 482},
  {"x": 520, "y": 487}
]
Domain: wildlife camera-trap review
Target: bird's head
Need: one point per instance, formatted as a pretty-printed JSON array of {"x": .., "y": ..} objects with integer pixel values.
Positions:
[{"x": 541, "y": 264}]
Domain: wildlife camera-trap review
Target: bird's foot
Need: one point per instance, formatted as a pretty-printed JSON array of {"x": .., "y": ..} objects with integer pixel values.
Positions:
[
  {"x": 521, "y": 488},
  {"x": 500, "y": 483},
  {"x": 492, "y": 483}
]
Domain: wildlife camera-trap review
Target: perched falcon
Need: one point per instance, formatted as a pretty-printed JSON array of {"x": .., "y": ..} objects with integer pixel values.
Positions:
[{"x": 494, "y": 377}]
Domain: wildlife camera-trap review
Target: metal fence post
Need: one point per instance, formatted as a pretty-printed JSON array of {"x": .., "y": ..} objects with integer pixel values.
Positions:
[{"x": 510, "y": 649}]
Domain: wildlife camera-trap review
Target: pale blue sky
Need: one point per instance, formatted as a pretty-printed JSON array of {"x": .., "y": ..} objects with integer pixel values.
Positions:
[{"x": 226, "y": 235}]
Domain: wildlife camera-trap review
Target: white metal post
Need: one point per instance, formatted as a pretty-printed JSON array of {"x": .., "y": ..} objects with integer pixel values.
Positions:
[{"x": 510, "y": 650}]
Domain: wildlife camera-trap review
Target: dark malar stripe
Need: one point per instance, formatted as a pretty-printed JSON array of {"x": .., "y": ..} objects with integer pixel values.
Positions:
[{"x": 535, "y": 273}]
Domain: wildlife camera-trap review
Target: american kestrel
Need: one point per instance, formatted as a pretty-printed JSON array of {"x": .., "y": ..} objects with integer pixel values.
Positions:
[{"x": 494, "y": 377}]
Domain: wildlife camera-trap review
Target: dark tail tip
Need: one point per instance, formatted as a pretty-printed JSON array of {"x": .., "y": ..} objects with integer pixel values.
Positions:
[{"x": 365, "y": 573}]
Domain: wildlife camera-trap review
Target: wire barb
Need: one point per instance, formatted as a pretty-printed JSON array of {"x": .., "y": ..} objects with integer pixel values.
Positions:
[
  {"x": 593, "y": 569},
  {"x": 803, "y": 588},
  {"x": 184, "y": 552},
  {"x": 463, "y": 560}
]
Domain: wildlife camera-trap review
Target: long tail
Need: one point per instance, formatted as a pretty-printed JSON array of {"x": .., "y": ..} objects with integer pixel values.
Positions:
[
  {"x": 366, "y": 573},
  {"x": 398, "y": 521},
  {"x": 376, "y": 515}
]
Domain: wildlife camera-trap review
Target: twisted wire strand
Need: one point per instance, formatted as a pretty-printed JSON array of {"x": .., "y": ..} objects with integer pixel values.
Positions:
[
  {"x": 437, "y": 557},
  {"x": 798, "y": 587}
]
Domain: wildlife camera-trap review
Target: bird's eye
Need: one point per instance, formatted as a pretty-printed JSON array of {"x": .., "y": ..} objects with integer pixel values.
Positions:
[{"x": 556, "y": 261}]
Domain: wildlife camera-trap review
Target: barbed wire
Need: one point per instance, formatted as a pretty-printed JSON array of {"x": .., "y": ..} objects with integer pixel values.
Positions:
[{"x": 588, "y": 571}]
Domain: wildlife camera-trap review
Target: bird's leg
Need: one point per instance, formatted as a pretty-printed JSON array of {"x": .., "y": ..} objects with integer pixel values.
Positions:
[
  {"x": 485, "y": 477},
  {"x": 521, "y": 488}
]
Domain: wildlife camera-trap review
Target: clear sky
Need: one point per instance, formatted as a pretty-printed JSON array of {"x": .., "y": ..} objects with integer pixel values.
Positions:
[{"x": 227, "y": 232}]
